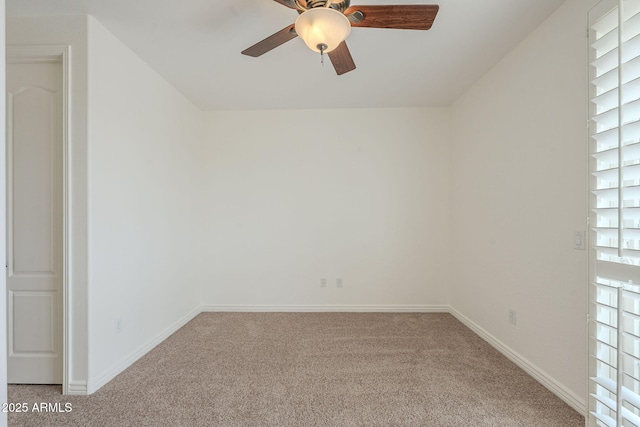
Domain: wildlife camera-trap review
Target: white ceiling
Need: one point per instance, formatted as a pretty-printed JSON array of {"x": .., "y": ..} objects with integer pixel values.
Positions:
[{"x": 196, "y": 45}]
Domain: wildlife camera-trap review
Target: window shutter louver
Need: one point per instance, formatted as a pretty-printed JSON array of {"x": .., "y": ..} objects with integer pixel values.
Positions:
[{"x": 614, "y": 296}]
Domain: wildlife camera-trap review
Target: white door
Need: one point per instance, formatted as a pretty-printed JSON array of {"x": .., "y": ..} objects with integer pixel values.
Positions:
[{"x": 34, "y": 222}]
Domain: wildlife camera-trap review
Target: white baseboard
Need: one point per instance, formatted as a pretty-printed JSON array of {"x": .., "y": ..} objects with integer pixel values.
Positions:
[
  {"x": 77, "y": 388},
  {"x": 569, "y": 397},
  {"x": 328, "y": 308},
  {"x": 94, "y": 386}
]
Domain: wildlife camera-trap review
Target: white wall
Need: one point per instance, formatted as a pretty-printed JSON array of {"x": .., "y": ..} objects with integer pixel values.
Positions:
[
  {"x": 70, "y": 30},
  {"x": 138, "y": 136},
  {"x": 518, "y": 175},
  {"x": 143, "y": 184},
  {"x": 295, "y": 196},
  {"x": 3, "y": 233}
]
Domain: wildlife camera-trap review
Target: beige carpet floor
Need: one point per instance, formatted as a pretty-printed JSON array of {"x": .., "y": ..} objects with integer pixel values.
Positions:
[{"x": 312, "y": 369}]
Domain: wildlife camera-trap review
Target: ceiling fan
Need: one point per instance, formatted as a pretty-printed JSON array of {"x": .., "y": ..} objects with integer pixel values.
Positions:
[{"x": 325, "y": 24}]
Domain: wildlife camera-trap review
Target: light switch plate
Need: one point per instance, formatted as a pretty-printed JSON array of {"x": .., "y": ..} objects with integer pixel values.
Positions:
[{"x": 580, "y": 240}]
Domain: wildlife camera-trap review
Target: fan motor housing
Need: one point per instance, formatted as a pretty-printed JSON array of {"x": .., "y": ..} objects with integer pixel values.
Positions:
[{"x": 339, "y": 5}]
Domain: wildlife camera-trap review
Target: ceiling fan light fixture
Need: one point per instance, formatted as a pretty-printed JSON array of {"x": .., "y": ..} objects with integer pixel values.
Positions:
[{"x": 322, "y": 28}]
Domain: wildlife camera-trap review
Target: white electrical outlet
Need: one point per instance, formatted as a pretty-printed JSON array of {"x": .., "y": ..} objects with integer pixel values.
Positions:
[
  {"x": 339, "y": 282},
  {"x": 323, "y": 283},
  {"x": 119, "y": 325},
  {"x": 512, "y": 317}
]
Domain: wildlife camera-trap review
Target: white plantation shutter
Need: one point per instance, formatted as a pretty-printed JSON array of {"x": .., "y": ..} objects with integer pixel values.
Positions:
[{"x": 614, "y": 309}]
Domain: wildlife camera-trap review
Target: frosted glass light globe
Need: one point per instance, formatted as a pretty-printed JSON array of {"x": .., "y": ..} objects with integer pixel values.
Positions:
[{"x": 322, "y": 26}]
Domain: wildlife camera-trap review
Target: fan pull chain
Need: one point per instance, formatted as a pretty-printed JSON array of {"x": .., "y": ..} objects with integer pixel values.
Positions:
[{"x": 322, "y": 47}]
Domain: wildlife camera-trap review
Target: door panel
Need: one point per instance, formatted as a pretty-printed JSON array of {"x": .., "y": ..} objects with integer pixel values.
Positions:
[
  {"x": 31, "y": 310},
  {"x": 33, "y": 159},
  {"x": 34, "y": 222}
]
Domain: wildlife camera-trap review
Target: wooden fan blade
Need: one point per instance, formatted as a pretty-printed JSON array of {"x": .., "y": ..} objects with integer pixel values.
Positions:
[
  {"x": 287, "y": 3},
  {"x": 271, "y": 42},
  {"x": 405, "y": 17},
  {"x": 341, "y": 59}
]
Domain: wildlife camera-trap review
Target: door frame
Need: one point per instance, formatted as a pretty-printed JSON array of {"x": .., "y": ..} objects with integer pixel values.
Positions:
[{"x": 56, "y": 53}]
